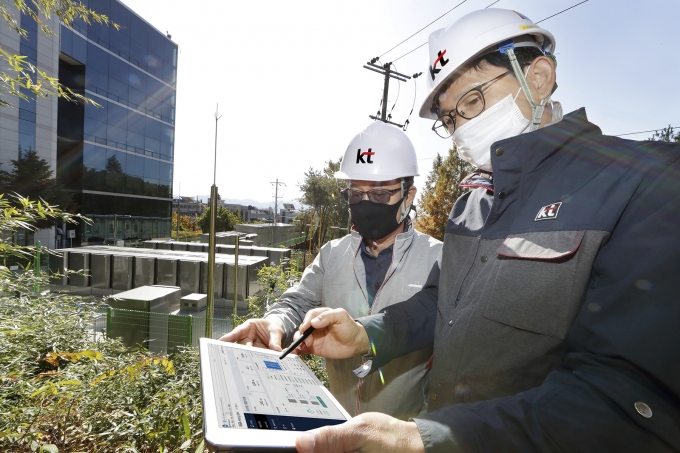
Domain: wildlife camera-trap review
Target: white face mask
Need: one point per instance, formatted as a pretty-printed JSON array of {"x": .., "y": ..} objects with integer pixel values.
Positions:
[{"x": 474, "y": 138}]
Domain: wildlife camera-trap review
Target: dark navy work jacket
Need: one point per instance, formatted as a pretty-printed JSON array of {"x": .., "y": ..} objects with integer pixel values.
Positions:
[{"x": 556, "y": 315}]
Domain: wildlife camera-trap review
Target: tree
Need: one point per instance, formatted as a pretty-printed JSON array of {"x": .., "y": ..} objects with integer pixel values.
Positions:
[
  {"x": 321, "y": 191},
  {"x": 666, "y": 135},
  {"x": 31, "y": 176},
  {"x": 225, "y": 220},
  {"x": 442, "y": 189},
  {"x": 21, "y": 76},
  {"x": 186, "y": 222}
]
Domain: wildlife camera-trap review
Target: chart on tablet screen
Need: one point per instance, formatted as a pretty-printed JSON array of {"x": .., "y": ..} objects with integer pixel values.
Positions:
[{"x": 266, "y": 392}]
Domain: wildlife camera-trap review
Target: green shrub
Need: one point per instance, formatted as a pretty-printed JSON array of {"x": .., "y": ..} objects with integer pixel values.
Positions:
[
  {"x": 64, "y": 388},
  {"x": 275, "y": 280},
  {"x": 60, "y": 386}
]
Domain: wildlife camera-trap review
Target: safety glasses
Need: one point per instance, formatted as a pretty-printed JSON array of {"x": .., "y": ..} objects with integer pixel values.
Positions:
[{"x": 381, "y": 196}]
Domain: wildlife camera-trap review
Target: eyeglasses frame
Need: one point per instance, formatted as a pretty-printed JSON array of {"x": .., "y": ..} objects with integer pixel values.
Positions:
[
  {"x": 345, "y": 193},
  {"x": 453, "y": 118}
]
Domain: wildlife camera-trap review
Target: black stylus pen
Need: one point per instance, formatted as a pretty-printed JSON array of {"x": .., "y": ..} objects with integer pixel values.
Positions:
[{"x": 297, "y": 342}]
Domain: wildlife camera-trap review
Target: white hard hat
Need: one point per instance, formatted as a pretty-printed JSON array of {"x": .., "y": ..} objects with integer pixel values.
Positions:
[
  {"x": 472, "y": 36},
  {"x": 380, "y": 153}
]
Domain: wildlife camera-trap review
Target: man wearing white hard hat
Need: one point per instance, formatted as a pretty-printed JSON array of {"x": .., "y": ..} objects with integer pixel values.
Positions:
[
  {"x": 383, "y": 261},
  {"x": 554, "y": 318}
]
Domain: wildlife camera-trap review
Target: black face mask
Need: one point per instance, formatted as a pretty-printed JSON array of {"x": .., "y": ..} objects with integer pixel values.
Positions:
[{"x": 374, "y": 220}]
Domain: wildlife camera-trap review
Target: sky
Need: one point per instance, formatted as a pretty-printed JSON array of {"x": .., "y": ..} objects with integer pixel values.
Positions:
[{"x": 292, "y": 92}]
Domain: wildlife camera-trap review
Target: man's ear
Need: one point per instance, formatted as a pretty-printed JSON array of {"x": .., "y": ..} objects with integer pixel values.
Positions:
[
  {"x": 541, "y": 78},
  {"x": 410, "y": 196}
]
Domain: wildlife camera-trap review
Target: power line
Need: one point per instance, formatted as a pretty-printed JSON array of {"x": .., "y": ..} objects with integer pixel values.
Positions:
[
  {"x": 644, "y": 132},
  {"x": 426, "y": 27},
  {"x": 411, "y": 51},
  {"x": 389, "y": 115},
  {"x": 492, "y": 4},
  {"x": 413, "y": 106},
  {"x": 556, "y": 14}
]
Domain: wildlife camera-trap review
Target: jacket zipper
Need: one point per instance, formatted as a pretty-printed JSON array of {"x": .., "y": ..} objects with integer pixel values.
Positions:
[{"x": 370, "y": 308}]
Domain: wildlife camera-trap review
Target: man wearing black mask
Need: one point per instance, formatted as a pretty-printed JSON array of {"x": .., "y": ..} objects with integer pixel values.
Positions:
[{"x": 381, "y": 262}]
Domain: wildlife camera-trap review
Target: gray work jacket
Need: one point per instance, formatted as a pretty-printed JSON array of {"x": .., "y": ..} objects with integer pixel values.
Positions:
[{"x": 337, "y": 279}]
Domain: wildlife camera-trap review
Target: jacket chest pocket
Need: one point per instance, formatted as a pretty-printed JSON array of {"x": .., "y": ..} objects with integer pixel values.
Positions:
[{"x": 539, "y": 282}]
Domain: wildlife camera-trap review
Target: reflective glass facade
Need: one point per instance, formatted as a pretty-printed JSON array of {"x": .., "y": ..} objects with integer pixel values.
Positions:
[
  {"x": 27, "y": 107},
  {"x": 119, "y": 156}
]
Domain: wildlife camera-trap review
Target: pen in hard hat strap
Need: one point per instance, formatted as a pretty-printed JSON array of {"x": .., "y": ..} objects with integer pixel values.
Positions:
[
  {"x": 404, "y": 210},
  {"x": 536, "y": 109},
  {"x": 403, "y": 202}
]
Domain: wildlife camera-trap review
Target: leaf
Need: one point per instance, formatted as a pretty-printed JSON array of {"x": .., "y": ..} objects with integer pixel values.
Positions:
[
  {"x": 49, "y": 448},
  {"x": 51, "y": 360},
  {"x": 47, "y": 373},
  {"x": 41, "y": 390},
  {"x": 73, "y": 357},
  {"x": 93, "y": 355},
  {"x": 186, "y": 426},
  {"x": 72, "y": 382},
  {"x": 200, "y": 447},
  {"x": 185, "y": 445},
  {"x": 34, "y": 445}
]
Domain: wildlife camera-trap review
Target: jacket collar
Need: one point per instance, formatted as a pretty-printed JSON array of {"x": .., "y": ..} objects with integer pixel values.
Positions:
[
  {"x": 534, "y": 152},
  {"x": 518, "y": 161},
  {"x": 401, "y": 243},
  {"x": 478, "y": 179},
  {"x": 571, "y": 126}
]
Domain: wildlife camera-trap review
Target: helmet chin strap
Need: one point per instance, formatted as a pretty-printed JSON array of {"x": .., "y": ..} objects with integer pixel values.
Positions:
[
  {"x": 536, "y": 109},
  {"x": 403, "y": 208}
]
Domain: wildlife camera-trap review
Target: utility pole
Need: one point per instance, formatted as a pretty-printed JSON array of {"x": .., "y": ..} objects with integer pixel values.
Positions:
[
  {"x": 276, "y": 204},
  {"x": 211, "y": 242},
  {"x": 388, "y": 73},
  {"x": 235, "y": 308}
]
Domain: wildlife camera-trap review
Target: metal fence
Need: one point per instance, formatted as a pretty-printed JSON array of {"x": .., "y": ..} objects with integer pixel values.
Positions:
[
  {"x": 20, "y": 263},
  {"x": 159, "y": 332},
  {"x": 289, "y": 242},
  {"x": 300, "y": 259}
]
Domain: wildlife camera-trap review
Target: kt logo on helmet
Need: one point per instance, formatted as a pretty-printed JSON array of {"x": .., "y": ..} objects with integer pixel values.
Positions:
[
  {"x": 368, "y": 154},
  {"x": 440, "y": 59}
]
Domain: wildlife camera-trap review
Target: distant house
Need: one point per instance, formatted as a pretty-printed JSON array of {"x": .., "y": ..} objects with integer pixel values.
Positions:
[
  {"x": 288, "y": 213},
  {"x": 188, "y": 206}
]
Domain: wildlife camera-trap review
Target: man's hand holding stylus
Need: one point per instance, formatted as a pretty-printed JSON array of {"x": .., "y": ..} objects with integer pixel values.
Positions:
[{"x": 336, "y": 334}]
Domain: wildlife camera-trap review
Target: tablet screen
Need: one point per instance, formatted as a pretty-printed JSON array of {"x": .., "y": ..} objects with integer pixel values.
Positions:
[{"x": 256, "y": 390}]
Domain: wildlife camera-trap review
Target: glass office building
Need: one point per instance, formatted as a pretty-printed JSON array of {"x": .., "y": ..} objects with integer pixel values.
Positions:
[
  {"x": 118, "y": 157},
  {"x": 27, "y": 107}
]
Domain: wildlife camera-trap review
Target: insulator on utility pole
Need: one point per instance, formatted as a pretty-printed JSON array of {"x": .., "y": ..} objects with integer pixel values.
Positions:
[{"x": 387, "y": 73}]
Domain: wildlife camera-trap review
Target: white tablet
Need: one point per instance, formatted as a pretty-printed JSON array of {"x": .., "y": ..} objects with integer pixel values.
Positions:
[{"x": 252, "y": 401}]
